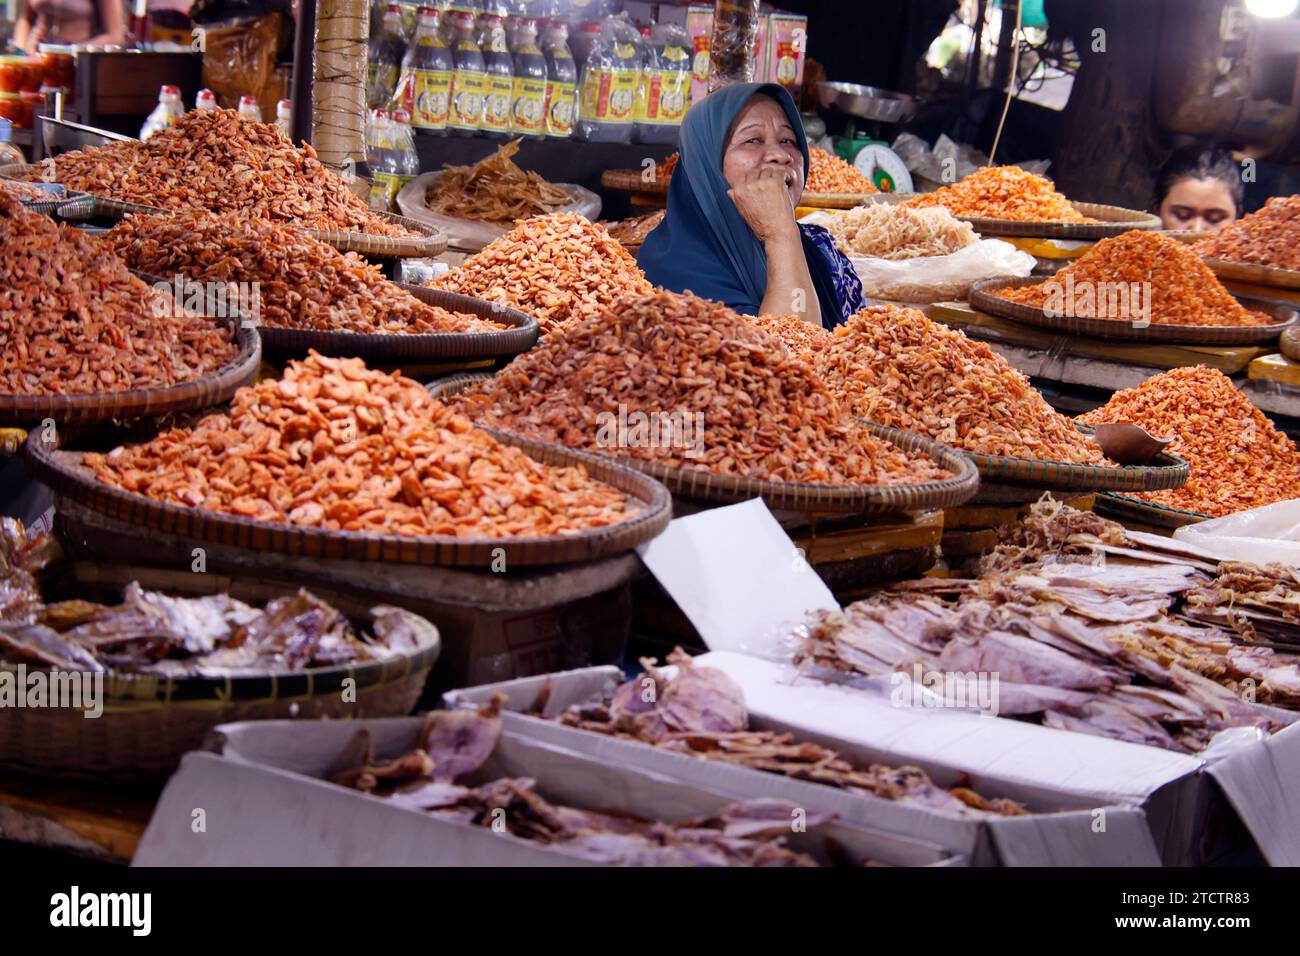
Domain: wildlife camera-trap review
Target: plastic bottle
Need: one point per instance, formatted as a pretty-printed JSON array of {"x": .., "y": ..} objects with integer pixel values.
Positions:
[
  {"x": 167, "y": 112},
  {"x": 205, "y": 100},
  {"x": 528, "y": 101},
  {"x": 284, "y": 118},
  {"x": 469, "y": 77},
  {"x": 9, "y": 153},
  {"x": 607, "y": 91},
  {"x": 384, "y": 58},
  {"x": 406, "y": 161},
  {"x": 664, "y": 92},
  {"x": 248, "y": 108},
  {"x": 583, "y": 36},
  {"x": 425, "y": 87},
  {"x": 381, "y": 158},
  {"x": 500, "y": 68},
  {"x": 561, "y": 81}
]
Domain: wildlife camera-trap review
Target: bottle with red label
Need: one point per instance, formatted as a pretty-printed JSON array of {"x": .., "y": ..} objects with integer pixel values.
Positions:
[
  {"x": 664, "y": 92},
  {"x": 607, "y": 90},
  {"x": 206, "y": 100},
  {"x": 166, "y": 113}
]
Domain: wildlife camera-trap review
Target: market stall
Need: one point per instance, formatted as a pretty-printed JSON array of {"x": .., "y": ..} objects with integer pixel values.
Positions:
[{"x": 377, "y": 497}]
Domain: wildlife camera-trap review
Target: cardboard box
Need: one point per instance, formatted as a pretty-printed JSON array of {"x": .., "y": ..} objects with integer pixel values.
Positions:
[
  {"x": 269, "y": 777},
  {"x": 1238, "y": 803},
  {"x": 1063, "y": 835}
]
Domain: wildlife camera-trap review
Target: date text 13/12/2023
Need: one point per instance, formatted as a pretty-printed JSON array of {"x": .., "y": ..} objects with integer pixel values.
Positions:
[{"x": 1194, "y": 897}]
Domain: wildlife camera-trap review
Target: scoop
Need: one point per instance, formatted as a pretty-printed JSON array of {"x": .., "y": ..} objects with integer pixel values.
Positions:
[{"x": 1128, "y": 444}]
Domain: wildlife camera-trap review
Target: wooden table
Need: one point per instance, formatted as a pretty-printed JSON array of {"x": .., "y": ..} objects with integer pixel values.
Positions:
[{"x": 89, "y": 819}]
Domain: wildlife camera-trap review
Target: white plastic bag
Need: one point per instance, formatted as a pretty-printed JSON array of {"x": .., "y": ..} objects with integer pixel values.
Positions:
[
  {"x": 467, "y": 234},
  {"x": 1266, "y": 535}
]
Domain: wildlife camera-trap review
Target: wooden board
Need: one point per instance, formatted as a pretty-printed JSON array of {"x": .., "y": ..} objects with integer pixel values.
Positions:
[
  {"x": 1275, "y": 368},
  {"x": 1229, "y": 359}
]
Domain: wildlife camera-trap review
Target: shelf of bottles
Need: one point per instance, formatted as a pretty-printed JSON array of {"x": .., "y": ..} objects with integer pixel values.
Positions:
[{"x": 506, "y": 69}]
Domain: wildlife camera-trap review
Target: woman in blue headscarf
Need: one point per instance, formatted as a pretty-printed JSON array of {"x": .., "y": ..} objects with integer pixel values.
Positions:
[{"x": 730, "y": 232}]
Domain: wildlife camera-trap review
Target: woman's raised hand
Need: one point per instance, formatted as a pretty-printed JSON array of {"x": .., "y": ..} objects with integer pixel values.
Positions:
[{"x": 763, "y": 200}]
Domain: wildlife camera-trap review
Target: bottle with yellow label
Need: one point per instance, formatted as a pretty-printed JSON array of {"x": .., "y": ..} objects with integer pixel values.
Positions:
[
  {"x": 468, "y": 79},
  {"x": 607, "y": 91},
  {"x": 561, "y": 81},
  {"x": 424, "y": 90},
  {"x": 528, "y": 100},
  {"x": 664, "y": 92},
  {"x": 500, "y": 68},
  {"x": 382, "y": 160}
]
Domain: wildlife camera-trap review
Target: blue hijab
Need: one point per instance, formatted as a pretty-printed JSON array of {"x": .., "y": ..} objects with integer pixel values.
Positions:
[{"x": 703, "y": 243}]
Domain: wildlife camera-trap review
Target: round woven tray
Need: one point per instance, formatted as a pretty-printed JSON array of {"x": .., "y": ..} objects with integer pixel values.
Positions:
[
  {"x": 696, "y": 484},
  {"x": 428, "y": 242},
  {"x": 630, "y": 180},
  {"x": 651, "y": 507},
  {"x": 1125, "y": 508},
  {"x": 214, "y": 388},
  {"x": 150, "y": 721},
  {"x": 1290, "y": 343},
  {"x": 1255, "y": 274},
  {"x": 1113, "y": 221},
  {"x": 381, "y": 347},
  {"x": 1171, "y": 472},
  {"x": 982, "y": 298}
]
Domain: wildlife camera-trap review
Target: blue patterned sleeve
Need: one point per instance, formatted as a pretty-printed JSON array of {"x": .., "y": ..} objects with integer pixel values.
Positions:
[{"x": 848, "y": 287}]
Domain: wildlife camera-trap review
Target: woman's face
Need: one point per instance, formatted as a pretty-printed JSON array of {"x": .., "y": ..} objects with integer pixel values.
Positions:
[
  {"x": 762, "y": 136},
  {"x": 1199, "y": 205}
]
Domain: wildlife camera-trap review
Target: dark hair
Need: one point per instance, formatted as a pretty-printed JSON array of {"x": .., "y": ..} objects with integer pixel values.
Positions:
[{"x": 1201, "y": 162}]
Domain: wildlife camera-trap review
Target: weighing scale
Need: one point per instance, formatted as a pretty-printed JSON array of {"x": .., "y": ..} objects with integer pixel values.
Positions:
[{"x": 867, "y": 149}]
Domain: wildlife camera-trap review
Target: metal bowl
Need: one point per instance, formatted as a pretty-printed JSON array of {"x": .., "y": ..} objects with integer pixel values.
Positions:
[{"x": 867, "y": 102}]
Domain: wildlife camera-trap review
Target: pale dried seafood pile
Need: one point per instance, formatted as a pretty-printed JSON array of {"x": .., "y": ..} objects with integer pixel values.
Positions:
[
  {"x": 555, "y": 268},
  {"x": 897, "y": 367},
  {"x": 730, "y": 398},
  {"x": 1079, "y": 646},
  {"x": 1166, "y": 283},
  {"x": 75, "y": 321},
  {"x": 494, "y": 190},
  {"x": 1238, "y": 458},
  {"x": 220, "y": 161},
  {"x": 897, "y": 232},
  {"x": 301, "y": 282},
  {"x": 445, "y": 777},
  {"x": 700, "y": 711},
  {"x": 339, "y": 447},
  {"x": 216, "y": 635}
]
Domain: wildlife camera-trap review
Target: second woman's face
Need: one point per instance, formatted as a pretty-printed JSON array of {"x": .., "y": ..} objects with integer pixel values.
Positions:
[
  {"x": 762, "y": 136},
  {"x": 1199, "y": 205}
]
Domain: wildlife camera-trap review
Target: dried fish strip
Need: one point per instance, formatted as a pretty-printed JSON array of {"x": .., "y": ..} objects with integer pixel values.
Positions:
[
  {"x": 494, "y": 190},
  {"x": 899, "y": 232},
  {"x": 337, "y": 446},
  {"x": 744, "y": 405}
]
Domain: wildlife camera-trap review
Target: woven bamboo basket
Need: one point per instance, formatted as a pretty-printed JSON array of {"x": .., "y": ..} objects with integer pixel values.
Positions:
[
  {"x": 150, "y": 721},
  {"x": 1005, "y": 479},
  {"x": 427, "y": 243},
  {"x": 982, "y": 297},
  {"x": 1111, "y": 221},
  {"x": 630, "y": 180},
  {"x": 1290, "y": 343},
  {"x": 387, "y": 347},
  {"x": 1255, "y": 274},
  {"x": 1126, "y": 509},
  {"x": 651, "y": 510},
  {"x": 214, "y": 388},
  {"x": 696, "y": 484}
]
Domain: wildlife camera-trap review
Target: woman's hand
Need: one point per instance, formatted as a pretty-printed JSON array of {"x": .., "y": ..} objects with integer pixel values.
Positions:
[{"x": 763, "y": 199}]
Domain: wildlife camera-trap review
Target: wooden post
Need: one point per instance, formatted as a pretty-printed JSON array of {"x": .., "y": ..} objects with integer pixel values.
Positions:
[
  {"x": 304, "y": 35},
  {"x": 339, "y": 82}
]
